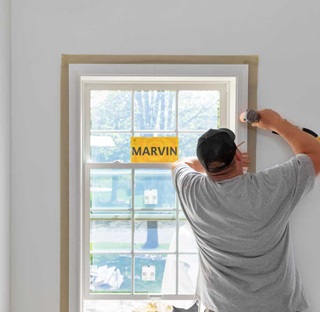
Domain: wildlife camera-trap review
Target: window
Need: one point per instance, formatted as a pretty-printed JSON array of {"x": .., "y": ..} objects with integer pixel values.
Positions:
[
  {"x": 128, "y": 238},
  {"x": 130, "y": 209}
]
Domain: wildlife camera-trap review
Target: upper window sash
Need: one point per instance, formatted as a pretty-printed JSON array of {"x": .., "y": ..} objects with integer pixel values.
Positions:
[{"x": 158, "y": 83}]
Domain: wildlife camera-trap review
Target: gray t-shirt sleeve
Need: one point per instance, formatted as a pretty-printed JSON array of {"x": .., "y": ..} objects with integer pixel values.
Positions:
[
  {"x": 185, "y": 181},
  {"x": 183, "y": 175},
  {"x": 289, "y": 182}
]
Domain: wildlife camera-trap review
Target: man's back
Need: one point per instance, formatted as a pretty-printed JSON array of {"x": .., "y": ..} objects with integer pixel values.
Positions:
[{"x": 241, "y": 227}]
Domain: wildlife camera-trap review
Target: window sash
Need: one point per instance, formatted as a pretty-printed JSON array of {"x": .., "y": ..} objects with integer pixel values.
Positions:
[{"x": 154, "y": 83}]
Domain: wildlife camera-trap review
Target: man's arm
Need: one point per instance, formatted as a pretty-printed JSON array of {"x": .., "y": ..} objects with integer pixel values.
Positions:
[
  {"x": 192, "y": 162},
  {"x": 299, "y": 141}
]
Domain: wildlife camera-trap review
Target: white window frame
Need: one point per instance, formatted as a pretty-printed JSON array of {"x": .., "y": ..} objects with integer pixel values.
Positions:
[{"x": 235, "y": 76}]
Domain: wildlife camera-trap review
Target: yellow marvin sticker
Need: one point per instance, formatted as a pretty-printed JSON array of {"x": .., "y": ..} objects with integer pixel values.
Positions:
[{"x": 155, "y": 149}]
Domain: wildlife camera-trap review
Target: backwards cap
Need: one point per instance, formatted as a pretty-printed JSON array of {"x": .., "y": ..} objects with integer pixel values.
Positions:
[{"x": 216, "y": 145}]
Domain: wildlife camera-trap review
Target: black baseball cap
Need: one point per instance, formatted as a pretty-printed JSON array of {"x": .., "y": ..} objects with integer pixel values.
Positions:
[{"x": 216, "y": 145}]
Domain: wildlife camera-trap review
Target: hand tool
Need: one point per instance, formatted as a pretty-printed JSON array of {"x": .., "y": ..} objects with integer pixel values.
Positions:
[{"x": 251, "y": 116}]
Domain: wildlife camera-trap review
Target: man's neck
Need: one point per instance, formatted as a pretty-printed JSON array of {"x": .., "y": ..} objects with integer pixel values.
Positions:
[
  {"x": 228, "y": 173},
  {"x": 227, "y": 176}
]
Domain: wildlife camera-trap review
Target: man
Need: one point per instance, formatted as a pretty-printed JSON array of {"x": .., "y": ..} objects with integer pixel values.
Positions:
[{"x": 240, "y": 220}]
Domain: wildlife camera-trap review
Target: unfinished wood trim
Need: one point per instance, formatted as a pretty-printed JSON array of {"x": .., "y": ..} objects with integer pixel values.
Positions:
[{"x": 64, "y": 187}]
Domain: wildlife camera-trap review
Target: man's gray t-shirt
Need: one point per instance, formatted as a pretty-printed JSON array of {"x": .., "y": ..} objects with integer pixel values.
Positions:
[{"x": 241, "y": 227}]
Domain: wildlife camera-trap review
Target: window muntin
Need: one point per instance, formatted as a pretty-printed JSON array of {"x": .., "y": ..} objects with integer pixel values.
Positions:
[{"x": 115, "y": 189}]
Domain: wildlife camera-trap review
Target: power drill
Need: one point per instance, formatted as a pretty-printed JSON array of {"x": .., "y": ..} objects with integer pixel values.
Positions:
[{"x": 251, "y": 116}]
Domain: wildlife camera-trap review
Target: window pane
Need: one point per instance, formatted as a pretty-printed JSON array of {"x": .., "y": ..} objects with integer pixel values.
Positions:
[
  {"x": 169, "y": 279},
  {"x": 110, "y": 189},
  {"x": 110, "y": 236},
  {"x": 187, "y": 242},
  {"x": 188, "y": 259},
  {"x": 188, "y": 144},
  {"x": 154, "y": 110},
  {"x": 149, "y": 273},
  {"x": 154, "y": 235},
  {"x": 187, "y": 263},
  {"x": 110, "y": 147},
  {"x": 110, "y": 109},
  {"x": 110, "y": 273},
  {"x": 153, "y": 189},
  {"x": 188, "y": 273},
  {"x": 198, "y": 110}
]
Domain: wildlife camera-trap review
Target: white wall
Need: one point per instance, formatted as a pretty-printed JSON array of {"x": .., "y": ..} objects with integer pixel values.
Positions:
[
  {"x": 285, "y": 35},
  {"x": 5, "y": 152}
]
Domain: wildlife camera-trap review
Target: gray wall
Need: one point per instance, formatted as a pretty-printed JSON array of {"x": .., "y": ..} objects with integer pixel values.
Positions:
[
  {"x": 285, "y": 35},
  {"x": 5, "y": 148}
]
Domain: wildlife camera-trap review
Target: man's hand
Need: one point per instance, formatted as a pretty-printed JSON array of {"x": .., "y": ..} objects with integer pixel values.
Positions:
[
  {"x": 192, "y": 162},
  {"x": 268, "y": 120},
  {"x": 245, "y": 161},
  {"x": 299, "y": 141}
]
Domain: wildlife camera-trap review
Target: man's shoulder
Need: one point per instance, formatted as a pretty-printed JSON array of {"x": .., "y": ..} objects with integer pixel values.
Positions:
[
  {"x": 183, "y": 174},
  {"x": 181, "y": 167}
]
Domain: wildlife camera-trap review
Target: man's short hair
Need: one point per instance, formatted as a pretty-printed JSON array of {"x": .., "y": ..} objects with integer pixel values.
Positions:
[{"x": 216, "y": 147}]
